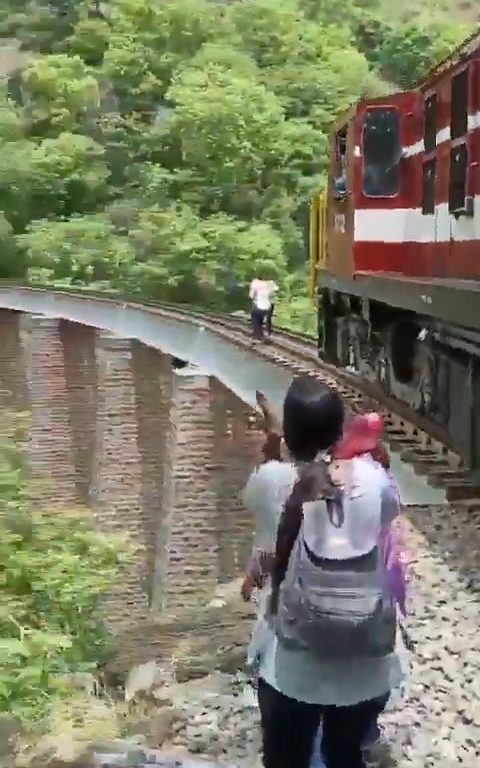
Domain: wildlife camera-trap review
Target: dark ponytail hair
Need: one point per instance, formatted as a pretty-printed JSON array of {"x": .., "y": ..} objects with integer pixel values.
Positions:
[{"x": 313, "y": 417}]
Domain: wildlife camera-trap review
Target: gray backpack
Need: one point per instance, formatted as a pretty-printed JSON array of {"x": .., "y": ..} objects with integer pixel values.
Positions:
[{"x": 337, "y": 609}]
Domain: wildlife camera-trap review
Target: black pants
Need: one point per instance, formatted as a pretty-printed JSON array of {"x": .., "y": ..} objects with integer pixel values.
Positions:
[
  {"x": 289, "y": 728},
  {"x": 258, "y": 319},
  {"x": 269, "y": 319}
]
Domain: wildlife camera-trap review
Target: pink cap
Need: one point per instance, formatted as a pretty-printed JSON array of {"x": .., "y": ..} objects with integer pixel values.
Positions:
[{"x": 361, "y": 434}]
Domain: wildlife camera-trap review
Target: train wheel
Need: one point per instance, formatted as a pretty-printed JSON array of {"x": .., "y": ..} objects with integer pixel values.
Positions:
[
  {"x": 412, "y": 365},
  {"x": 375, "y": 366}
]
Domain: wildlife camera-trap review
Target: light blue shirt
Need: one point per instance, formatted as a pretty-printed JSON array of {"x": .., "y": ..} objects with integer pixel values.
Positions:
[{"x": 296, "y": 672}]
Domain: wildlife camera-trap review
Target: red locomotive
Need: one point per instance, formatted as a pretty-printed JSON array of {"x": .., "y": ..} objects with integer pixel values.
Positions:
[{"x": 395, "y": 247}]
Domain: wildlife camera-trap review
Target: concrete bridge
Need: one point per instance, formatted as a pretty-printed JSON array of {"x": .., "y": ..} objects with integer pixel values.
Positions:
[{"x": 158, "y": 452}]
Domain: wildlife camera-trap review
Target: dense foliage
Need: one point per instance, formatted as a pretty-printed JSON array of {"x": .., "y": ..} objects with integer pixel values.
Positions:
[
  {"x": 53, "y": 569},
  {"x": 170, "y": 147}
]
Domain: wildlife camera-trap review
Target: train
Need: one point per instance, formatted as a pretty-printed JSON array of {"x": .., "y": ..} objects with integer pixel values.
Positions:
[{"x": 395, "y": 248}]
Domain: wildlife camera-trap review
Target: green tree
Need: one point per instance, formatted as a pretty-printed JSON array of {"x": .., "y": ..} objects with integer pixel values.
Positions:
[
  {"x": 149, "y": 40},
  {"x": 58, "y": 176},
  {"x": 41, "y": 26},
  {"x": 169, "y": 121},
  {"x": 228, "y": 127},
  {"x": 12, "y": 263},
  {"x": 89, "y": 40},
  {"x": 59, "y": 94},
  {"x": 408, "y": 52},
  {"x": 183, "y": 257},
  {"x": 83, "y": 249},
  {"x": 49, "y": 621}
]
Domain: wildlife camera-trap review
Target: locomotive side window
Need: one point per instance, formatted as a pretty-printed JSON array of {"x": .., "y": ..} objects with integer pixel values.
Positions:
[
  {"x": 428, "y": 190},
  {"x": 340, "y": 174},
  {"x": 458, "y": 178},
  {"x": 430, "y": 123},
  {"x": 459, "y": 108},
  {"x": 382, "y": 152},
  {"x": 341, "y": 146}
]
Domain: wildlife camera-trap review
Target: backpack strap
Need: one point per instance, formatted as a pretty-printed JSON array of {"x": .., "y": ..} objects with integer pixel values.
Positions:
[
  {"x": 335, "y": 511},
  {"x": 312, "y": 483}
]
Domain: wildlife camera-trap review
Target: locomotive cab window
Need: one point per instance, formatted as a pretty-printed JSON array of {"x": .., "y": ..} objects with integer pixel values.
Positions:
[
  {"x": 459, "y": 107},
  {"x": 458, "y": 178},
  {"x": 341, "y": 140},
  {"x": 382, "y": 152},
  {"x": 430, "y": 122}
]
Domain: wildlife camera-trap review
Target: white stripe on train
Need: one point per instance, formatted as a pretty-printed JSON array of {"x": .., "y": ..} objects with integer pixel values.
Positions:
[
  {"x": 410, "y": 225},
  {"x": 443, "y": 135}
]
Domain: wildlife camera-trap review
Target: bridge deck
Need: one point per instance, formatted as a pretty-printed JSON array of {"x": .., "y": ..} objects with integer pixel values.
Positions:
[{"x": 240, "y": 369}]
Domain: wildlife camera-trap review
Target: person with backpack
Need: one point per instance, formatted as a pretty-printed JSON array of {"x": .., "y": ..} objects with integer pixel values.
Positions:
[
  {"x": 359, "y": 434},
  {"x": 336, "y": 661}
]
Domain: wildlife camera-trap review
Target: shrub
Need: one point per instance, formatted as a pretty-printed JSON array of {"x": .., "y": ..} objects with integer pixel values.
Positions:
[{"x": 54, "y": 568}]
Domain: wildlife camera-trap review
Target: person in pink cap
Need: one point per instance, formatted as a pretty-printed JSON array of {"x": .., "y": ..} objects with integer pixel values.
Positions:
[
  {"x": 311, "y": 521},
  {"x": 363, "y": 437}
]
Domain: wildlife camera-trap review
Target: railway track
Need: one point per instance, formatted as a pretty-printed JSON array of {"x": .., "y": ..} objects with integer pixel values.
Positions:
[
  {"x": 419, "y": 443},
  {"x": 436, "y": 721}
]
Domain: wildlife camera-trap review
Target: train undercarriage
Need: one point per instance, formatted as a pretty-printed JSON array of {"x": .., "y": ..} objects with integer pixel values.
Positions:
[{"x": 430, "y": 365}]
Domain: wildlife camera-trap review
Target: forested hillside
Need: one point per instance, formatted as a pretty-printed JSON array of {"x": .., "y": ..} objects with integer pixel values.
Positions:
[{"x": 170, "y": 147}]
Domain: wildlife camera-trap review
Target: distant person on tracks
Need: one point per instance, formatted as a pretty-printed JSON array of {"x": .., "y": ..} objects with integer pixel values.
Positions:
[
  {"x": 262, "y": 292},
  {"x": 297, "y": 688}
]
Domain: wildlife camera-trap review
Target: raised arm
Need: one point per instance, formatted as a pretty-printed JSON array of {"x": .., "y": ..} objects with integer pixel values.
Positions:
[{"x": 271, "y": 448}]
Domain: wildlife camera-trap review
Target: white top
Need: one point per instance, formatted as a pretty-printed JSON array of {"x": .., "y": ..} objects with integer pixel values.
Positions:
[
  {"x": 295, "y": 672},
  {"x": 362, "y": 514},
  {"x": 261, "y": 292}
]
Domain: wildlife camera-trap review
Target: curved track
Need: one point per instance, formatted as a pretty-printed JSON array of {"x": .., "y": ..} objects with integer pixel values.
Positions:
[
  {"x": 419, "y": 443},
  {"x": 437, "y": 722}
]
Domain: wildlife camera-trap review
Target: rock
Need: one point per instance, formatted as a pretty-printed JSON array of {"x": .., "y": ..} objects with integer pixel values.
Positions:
[
  {"x": 161, "y": 725},
  {"x": 228, "y": 593},
  {"x": 201, "y": 738},
  {"x": 84, "y": 681},
  {"x": 217, "y": 602},
  {"x": 162, "y": 696},
  {"x": 49, "y": 760},
  {"x": 171, "y": 757},
  {"x": 196, "y": 691},
  {"x": 9, "y": 730},
  {"x": 142, "y": 680},
  {"x": 111, "y": 760},
  {"x": 117, "y": 746},
  {"x": 249, "y": 698},
  {"x": 232, "y": 660}
]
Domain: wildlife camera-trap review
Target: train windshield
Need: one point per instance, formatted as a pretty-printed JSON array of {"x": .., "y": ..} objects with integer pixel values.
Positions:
[{"x": 382, "y": 152}]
